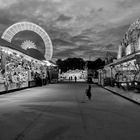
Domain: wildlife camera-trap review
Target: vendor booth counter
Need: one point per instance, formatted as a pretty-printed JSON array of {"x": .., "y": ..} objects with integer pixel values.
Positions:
[
  {"x": 123, "y": 73},
  {"x": 19, "y": 71}
]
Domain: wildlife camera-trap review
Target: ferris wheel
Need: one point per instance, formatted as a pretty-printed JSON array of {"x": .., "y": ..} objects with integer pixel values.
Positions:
[{"x": 10, "y": 32}]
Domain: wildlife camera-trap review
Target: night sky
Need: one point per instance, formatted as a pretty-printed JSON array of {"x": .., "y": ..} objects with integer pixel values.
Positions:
[{"x": 77, "y": 28}]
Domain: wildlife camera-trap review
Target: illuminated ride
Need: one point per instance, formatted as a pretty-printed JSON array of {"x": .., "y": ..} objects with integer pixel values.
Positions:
[{"x": 10, "y": 32}]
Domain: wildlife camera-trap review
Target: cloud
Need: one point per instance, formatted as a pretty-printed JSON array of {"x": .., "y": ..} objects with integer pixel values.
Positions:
[
  {"x": 57, "y": 1},
  {"x": 63, "y": 54},
  {"x": 76, "y": 28},
  {"x": 7, "y": 3},
  {"x": 61, "y": 42},
  {"x": 63, "y": 18},
  {"x": 127, "y": 4},
  {"x": 79, "y": 38}
]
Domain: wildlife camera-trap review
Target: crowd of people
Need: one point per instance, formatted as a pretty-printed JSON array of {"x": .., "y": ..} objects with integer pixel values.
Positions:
[{"x": 71, "y": 78}]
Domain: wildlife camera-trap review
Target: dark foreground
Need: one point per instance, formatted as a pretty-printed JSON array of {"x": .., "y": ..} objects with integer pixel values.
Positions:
[{"x": 61, "y": 112}]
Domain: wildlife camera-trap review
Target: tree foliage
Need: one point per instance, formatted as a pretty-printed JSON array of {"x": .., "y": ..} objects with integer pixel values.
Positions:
[
  {"x": 79, "y": 63},
  {"x": 95, "y": 64},
  {"x": 70, "y": 64}
]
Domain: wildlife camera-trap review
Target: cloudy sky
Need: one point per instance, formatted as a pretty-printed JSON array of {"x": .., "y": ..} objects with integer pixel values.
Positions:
[{"x": 77, "y": 28}]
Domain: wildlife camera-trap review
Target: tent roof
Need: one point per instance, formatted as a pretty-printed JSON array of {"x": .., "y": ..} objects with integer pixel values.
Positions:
[{"x": 30, "y": 52}]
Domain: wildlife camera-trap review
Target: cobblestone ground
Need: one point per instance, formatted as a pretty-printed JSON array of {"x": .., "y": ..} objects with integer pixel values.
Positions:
[{"x": 62, "y": 112}]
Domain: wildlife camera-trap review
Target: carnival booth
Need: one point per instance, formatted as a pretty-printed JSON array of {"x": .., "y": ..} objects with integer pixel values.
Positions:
[
  {"x": 101, "y": 77},
  {"x": 19, "y": 70},
  {"x": 125, "y": 71},
  {"x": 52, "y": 72},
  {"x": 122, "y": 72}
]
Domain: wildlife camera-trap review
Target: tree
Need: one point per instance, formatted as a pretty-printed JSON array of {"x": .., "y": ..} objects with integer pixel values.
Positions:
[
  {"x": 70, "y": 64},
  {"x": 95, "y": 64}
]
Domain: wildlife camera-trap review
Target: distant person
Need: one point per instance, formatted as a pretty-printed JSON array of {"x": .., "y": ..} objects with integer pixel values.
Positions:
[
  {"x": 75, "y": 78},
  {"x": 88, "y": 92}
]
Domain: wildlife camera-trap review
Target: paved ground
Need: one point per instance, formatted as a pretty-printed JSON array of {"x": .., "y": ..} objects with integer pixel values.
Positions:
[
  {"x": 133, "y": 95},
  {"x": 61, "y": 112}
]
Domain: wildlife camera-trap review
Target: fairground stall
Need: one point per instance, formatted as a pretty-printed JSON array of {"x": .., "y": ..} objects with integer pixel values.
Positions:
[
  {"x": 81, "y": 75},
  {"x": 125, "y": 71},
  {"x": 18, "y": 70},
  {"x": 52, "y": 72},
  {"x": 24, "y": 65}
]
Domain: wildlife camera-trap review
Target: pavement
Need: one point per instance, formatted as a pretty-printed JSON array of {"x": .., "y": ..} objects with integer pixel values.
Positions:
[
  {"x": 63, "y": 112},
  {"x": 131, "y": 95}
]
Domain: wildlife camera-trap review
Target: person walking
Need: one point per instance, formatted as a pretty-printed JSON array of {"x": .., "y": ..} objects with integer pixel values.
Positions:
[
  {"x": 88, "y": 92},
  {"x": 75, "y": 78}
]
